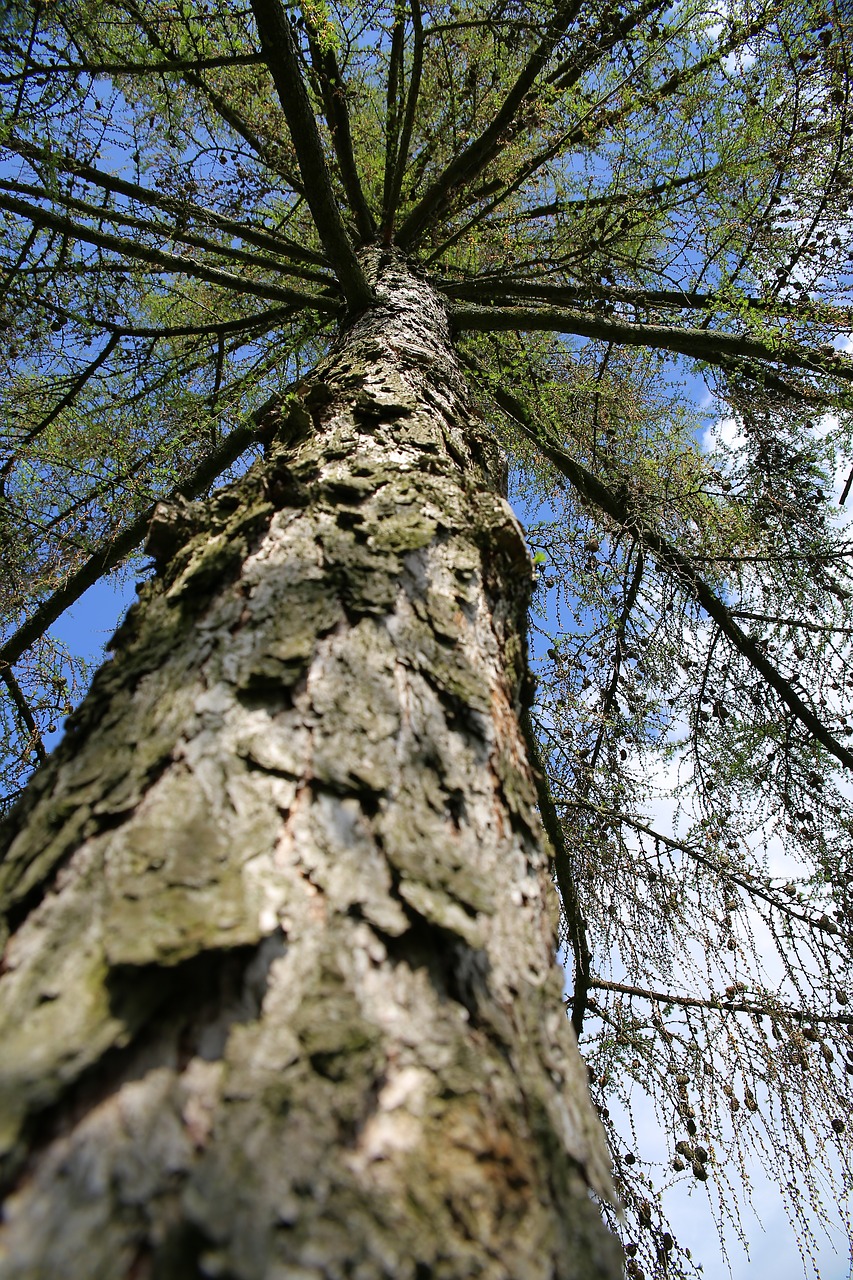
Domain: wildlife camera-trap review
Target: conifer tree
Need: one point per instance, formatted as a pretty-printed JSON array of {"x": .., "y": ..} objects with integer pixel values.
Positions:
[{"x": 289, "y": 294}]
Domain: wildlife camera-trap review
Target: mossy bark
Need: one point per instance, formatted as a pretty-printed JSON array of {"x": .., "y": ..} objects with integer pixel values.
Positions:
[{"x": 279, "y": 997}]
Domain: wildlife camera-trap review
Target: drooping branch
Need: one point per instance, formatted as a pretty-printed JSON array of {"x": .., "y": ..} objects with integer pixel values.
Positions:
[
  {"x": 61, "y": 405},
  {"x": 845, "y": 492},
  {"x": 572, "y": 908},
  {"x": 619, "y": 508},
  {"x": 279, "y": 49},
  {"x": 701, "y": 344},
  {"x": 609, "y": 697},
  {"x": 112, "y": 552},
  {"x": 729, "y": 874},
  {"x": 575, "y": 923}
]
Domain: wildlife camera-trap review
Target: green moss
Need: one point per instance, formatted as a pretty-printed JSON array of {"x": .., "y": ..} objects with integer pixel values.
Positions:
[{"x": 406, "y": 531}]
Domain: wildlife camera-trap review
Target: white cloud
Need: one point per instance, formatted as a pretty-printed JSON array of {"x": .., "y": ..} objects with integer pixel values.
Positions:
[{"x": 725, "y": 433}]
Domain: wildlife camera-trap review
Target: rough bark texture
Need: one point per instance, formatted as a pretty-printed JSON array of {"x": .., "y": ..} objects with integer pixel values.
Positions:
[{"x": 279, "y": 995}]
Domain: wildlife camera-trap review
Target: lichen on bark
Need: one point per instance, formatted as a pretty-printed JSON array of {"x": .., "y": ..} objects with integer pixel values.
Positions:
[{"x": 279, "y": 994}]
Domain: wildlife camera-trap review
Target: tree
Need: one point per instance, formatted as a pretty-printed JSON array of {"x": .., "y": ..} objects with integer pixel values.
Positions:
[{"x": 279, "y": 992}]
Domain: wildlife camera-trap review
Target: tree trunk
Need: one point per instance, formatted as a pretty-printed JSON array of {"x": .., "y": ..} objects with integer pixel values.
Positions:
[{"x": 279, "y": 997}]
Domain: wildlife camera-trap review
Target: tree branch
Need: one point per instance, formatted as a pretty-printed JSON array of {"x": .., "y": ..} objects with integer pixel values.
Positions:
[
  {"x": 500, "y": 290},
  {"x": 575, "y": 923},
  {"x": 394, "y": 181},
  {"x": 134, "y": 68},
  {"x": 615, "y": 199},
  {"x": 23, "y": 708},
  {"x": 818, "y": 628},
  {"x": 571, "y": 905},
  {"x": 732, "y": 876},
  {"x": 700, "y": 344},
  {"x": 173, "y": 233},
  {"x": 262, "y": 320},
  {"x": 264, "y": 239},
  {"x": 717, "y": 1004},
  {"x": 471, "y": 162},
  {"x": 591, "y": 124},
  {"x": 609, "y": 697},
  {"x": 392, "y": 115},
  {"x": 30, "y": 240},
  {"x": 336, "y": 111},
  {"x": 223, "y": 109},
  {"x": 279, "y": 51},
  {"x": 69, "y": 398}
]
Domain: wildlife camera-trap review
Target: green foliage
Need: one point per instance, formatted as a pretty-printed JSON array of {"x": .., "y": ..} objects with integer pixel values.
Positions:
[{"x": 639, "y": 215}]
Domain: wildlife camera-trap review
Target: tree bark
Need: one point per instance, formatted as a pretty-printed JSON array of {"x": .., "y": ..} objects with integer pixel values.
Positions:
[{"x": 279, "y": 996}]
